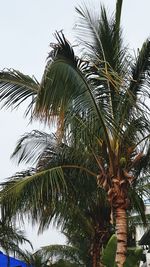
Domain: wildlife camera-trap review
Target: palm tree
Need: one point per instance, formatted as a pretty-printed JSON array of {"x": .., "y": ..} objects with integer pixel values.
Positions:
[{"x": 100, "y": 99}]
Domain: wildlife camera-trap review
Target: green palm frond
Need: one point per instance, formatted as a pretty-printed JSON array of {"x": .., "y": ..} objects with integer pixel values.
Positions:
[
  {"x": 137, "y": 92},
  {"x": 137, "y": 204},
  {"x": 88, "y": 31},
  {"x": 64, "y": 87},
  {"x": 138, "y": 192},
  {"x": 43, "y": 194},
  {"x": 76, "y": 206},
  {"x": 106, "y": 43},
  {"x": 144, "y": 164},
  {"x": 41, "y": 187},
  {"x": 47, "y": 151},
  {"x": 102, "y": 35},
  {"x": 140, "y": 71},
  {"x": 71, "y": 88},
  {"x": 31, "y": 146},
  {"x": 36, "y": 259},
  {"x": 15, "y": 88}
]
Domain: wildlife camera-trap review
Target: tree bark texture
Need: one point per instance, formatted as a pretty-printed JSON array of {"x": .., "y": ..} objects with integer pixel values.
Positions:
[
  {"x": 121, "y": 233},
  {"x": 97, "y": 248},
  {"x": 96, "y": 255}
]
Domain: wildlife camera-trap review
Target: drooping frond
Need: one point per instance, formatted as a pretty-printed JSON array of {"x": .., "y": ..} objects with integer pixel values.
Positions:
[
  {"x": 29, "y": 192},
  {"x": 46, "y": 151},
  {"x": 64, "y": 85},
  {"x": 31, "y": 146},
  {"x": 15, "y": 88},
  {"x": 66, "y": 90}
]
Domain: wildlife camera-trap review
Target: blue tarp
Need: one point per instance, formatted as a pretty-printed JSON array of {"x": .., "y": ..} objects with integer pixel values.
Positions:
[{"x": 13, "y": 262}]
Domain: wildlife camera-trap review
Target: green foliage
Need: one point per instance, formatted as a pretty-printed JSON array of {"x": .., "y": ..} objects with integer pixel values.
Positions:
[
  {"x": 109, "y": 253},
  {"x": 12, "y": 238},
  {"x": 36, "y": 259},
  {"x": 16, "y": 88},
  {"x": 134, "y": 256},
  {"x": 78, "y": 208}
]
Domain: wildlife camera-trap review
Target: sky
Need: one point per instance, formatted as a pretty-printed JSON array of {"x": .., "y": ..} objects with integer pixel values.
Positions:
[{"x": 26, "y": 29}]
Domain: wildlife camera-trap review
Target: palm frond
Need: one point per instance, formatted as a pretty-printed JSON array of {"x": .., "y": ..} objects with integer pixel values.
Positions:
[
  {"x": 140, "y": 71},
  {"x": 134, "y": 100},
  {"x": 61, "y": 252},
  {"x": 42, "y": 187},
  {"x": 102, "y": 35},
  {"x": 11, "y": 238},
  {"x": 36, "y": 259},
  {"x": 70, "y": 86},
  {"x": 31, "y": 146},
  {"x": 138, "y": 204},
  {"x": 143, "y": 167},
  {"x": 64, "y": 87},
  {"x": 15, "y": 88},
  {"x": 107, "y": 54}
]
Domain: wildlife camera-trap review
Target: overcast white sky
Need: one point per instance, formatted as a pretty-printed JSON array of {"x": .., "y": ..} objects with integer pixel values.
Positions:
[{"x": 26, "y": 29}]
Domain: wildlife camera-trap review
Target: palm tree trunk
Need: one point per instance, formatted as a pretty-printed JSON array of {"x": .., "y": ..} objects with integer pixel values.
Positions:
[
  {"x": 121, "y": 233},
  {"x": 96, "y": 255},
  {"x": 96, "y": 260}
]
